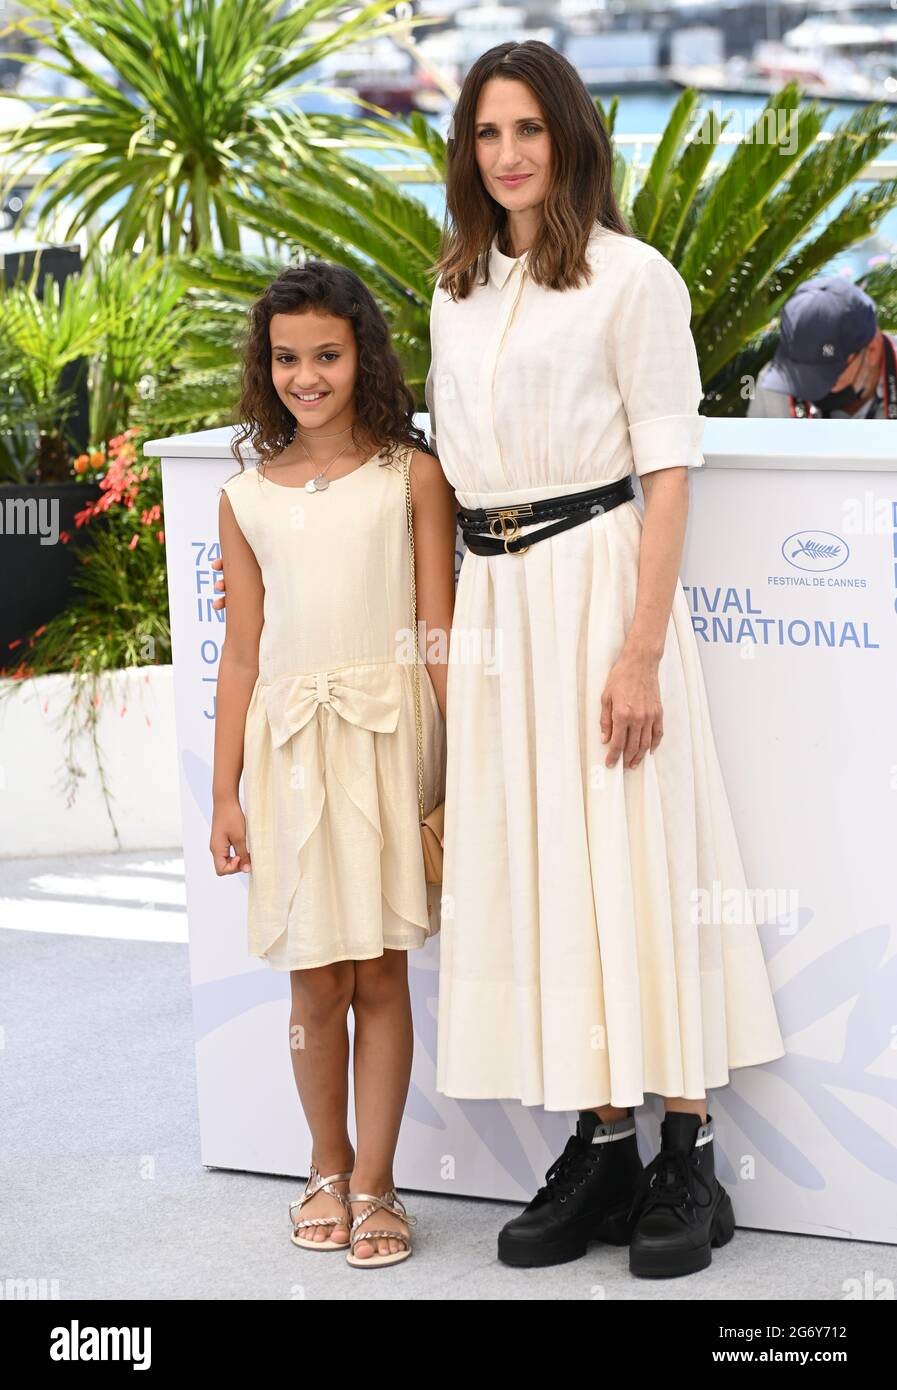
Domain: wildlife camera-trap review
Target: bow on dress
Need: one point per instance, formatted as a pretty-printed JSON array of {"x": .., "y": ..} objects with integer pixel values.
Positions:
[
  {"x": 351, "y": 704},
  {"x": 342, "y": 729},
  {"x": 368, "y": 696}
]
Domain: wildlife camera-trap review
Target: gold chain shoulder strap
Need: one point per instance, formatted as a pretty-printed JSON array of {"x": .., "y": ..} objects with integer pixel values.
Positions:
[{"x": 406, "y": 473}]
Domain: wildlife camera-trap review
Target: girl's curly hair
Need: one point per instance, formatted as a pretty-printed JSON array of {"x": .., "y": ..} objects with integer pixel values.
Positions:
[{"x": 383, "y": 402}]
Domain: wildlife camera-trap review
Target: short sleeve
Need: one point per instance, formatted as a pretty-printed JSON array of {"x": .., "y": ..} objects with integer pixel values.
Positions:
[
  {"x": 430, "y": 385},
  {"x": 658, "y": 375}
]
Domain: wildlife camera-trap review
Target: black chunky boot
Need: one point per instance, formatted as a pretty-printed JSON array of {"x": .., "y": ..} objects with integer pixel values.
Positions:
[
  {"x": 680, "y": 1207},
  {"x": 587, "y": 1196}
]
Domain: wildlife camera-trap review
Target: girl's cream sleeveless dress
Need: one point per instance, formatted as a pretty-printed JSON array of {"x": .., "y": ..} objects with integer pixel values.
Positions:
[{"x": 330, "y": 752}]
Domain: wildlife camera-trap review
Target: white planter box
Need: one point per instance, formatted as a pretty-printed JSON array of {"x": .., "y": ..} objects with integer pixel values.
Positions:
[{"x": 135, "y": 736}]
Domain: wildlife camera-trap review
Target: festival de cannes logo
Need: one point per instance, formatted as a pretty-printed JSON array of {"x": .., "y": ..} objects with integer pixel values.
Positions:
[{"x": 815, "y": 550}]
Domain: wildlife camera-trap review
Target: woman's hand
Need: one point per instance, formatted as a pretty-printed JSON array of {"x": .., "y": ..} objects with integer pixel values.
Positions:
[
  {"x": 631, "y": 710},
  {"x": 229, "y": 828},
  {"x": 221, "y": 601}
]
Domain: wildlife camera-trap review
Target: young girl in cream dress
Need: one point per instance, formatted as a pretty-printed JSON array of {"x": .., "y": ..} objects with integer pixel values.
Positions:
[{"x": 315, "y": 709}]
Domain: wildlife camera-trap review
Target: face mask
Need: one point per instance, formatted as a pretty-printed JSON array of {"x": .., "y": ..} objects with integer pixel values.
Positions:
[{"x": 840, "y": 400}]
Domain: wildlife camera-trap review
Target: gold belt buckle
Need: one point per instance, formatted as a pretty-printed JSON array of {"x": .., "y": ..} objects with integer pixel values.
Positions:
[{"x": 505, "y": 518}]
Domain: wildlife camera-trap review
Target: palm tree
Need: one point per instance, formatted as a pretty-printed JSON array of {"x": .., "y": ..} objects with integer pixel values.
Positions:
[{"x": 206, "y": 102}]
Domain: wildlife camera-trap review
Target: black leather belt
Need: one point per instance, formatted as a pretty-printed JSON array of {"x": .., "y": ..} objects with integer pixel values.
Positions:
[{"x": 502, "y": 524}]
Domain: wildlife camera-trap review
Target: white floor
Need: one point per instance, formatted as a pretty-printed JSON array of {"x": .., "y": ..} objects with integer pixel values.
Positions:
[{"x": 104, "y": 1192}]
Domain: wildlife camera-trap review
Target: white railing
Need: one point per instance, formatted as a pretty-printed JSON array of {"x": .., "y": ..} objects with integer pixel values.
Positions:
[{"x": 875, "y": 171}]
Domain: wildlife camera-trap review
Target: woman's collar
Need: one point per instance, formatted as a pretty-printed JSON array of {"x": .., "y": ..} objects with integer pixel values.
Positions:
[{"x": 501, "y": 266}]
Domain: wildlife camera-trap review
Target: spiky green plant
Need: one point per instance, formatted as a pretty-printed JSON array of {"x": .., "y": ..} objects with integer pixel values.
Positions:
[
  {"x": 141, "y": 299},
  {"x": 41, "y": 338},
  {"x": 207, "y": 102},
  {"x": 117, "y": 325}
]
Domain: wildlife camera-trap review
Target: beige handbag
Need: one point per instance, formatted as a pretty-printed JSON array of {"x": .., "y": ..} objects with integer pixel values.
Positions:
[{"x": 432, "y": 825}]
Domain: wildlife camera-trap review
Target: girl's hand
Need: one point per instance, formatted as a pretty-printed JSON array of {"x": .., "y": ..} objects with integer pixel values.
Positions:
[
  {"x": 631, "y": 710},
  {"x": 229, "y": 828},
  {"x": 221, "y": 601}
]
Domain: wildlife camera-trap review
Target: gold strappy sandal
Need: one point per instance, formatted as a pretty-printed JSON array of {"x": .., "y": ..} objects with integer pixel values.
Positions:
[
  {"x": 318, "y": 1184},
  {"x": 389, "y": 1202}
]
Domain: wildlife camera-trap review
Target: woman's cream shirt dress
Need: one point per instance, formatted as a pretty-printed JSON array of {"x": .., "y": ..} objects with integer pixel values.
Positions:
[{"x": 580, "y": 962}]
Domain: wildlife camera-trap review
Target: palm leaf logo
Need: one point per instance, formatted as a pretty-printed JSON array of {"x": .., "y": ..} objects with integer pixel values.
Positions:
[{"x": 816, "y": 551}]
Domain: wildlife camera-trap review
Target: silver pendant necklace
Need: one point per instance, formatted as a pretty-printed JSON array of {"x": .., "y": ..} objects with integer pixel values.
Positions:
[{"x": 319, "y": 483}]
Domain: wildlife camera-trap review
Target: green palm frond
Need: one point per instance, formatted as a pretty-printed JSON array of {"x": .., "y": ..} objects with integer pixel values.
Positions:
[
  {"x": 119, "y": 324},
  {"x": 197, "y": 398},
  {"x": 142, "y": 301},
  {"x": 40, "y": 336},
  {"x": 660, "y": 210},
  {"x": 880, "y": 283},
  {"x": 621, "y": 172},
  {"x": 351, "y": 201},
  {"x": 212, "y": 86}
]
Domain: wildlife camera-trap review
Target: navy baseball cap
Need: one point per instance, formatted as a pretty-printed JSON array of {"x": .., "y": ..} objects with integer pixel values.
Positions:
[{"x": 824, "y": 321}]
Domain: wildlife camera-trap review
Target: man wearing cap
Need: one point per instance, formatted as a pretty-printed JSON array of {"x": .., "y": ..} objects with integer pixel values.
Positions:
[{"x": 832, "y": 361}]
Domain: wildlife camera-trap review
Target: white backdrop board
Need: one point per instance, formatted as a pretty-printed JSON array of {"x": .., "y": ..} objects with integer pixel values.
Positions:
[{"x": 790, "y": 568}]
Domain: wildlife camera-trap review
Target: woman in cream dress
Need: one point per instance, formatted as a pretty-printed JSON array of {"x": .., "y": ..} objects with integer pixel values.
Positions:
[
  {"x": 568, "y": 886},
  {"x": 585, "y": 809}
]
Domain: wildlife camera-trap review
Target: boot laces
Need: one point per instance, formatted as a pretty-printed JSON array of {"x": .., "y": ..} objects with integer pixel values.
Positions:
[
  {"x": 670, "y": 1181},
  {"x": 568, "y": 1171}
]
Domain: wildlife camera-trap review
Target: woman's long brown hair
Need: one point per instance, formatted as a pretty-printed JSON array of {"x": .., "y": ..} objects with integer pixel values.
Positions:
[
  {"x": 384, "y": 403},
  {"x": 581, "y": 190}
]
